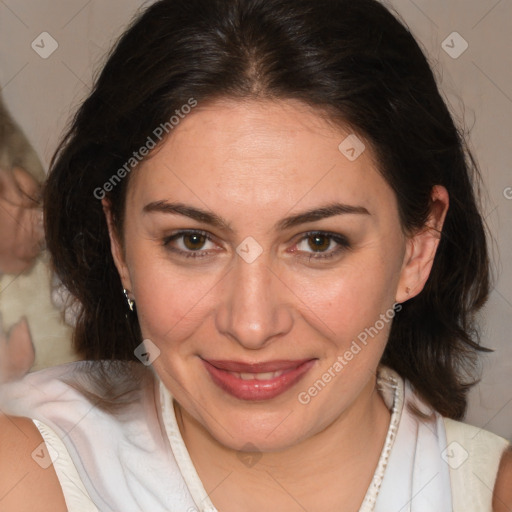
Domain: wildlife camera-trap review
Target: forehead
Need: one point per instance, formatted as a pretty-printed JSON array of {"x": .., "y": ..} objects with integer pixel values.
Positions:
[{"x": 265, "y": 154}]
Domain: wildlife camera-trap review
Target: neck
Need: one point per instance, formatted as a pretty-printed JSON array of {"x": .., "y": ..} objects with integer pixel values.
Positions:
[{"x": 341, "y": 459}]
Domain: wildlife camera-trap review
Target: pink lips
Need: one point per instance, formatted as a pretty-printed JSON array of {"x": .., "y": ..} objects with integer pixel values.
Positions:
[{"x": 257, "y": 381}]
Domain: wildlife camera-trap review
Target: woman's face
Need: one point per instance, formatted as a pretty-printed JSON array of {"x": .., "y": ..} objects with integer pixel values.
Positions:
[{"x": 265, "y": 262}]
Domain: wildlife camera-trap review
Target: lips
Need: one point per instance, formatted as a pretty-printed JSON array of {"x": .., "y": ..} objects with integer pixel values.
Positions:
[{"x": 257, "y": 381}]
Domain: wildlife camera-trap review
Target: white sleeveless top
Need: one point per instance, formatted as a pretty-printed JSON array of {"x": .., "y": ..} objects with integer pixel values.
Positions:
[{"x": 137, "y": 461}]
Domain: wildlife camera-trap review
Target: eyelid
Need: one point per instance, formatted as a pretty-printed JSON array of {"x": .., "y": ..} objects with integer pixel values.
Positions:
[
  {"x": 342, "y": 244},
  {"x": 190, "y": 231},
  {"x": 183, "y": 232}
]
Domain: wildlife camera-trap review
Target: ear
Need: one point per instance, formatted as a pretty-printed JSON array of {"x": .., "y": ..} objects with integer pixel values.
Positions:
[
  {"x": 421, "y": 248},
  {"x": 116, "y": 246}
]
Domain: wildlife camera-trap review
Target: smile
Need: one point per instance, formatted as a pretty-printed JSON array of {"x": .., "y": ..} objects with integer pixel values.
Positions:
[{"x": 257, "y": 381}]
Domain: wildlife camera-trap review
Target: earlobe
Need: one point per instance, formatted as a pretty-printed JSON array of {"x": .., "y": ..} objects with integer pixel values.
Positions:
[
  {"x": 116, "y": 247},
  {"x": 421, "y": 248}
]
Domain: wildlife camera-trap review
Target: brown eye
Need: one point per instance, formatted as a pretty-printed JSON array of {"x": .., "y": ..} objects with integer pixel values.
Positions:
[
  {"x": 320, "y": 245},
  {"x": 194, "y": 241},
  {"x": 190, "y": 244},
  {"x": 319, "y": 242}
]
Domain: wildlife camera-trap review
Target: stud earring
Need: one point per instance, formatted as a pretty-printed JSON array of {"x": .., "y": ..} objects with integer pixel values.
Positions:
[{"x": 131, "y": 302}]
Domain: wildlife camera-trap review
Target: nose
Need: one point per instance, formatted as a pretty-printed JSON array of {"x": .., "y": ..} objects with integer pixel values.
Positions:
[{"x": 255, "y": 305}]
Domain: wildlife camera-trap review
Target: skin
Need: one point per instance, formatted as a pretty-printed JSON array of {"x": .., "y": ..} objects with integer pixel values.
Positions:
[
  {"x": 502, "y": 496},
  {"x": 254, "y": 164},
  {"x": 25, "y": 486}
]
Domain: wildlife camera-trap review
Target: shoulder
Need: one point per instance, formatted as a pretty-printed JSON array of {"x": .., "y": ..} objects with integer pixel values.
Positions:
[
  {"x": 502, "y": 496},
  {"x": 479, "y": 462},
  {"x": 26, "y": 485}
]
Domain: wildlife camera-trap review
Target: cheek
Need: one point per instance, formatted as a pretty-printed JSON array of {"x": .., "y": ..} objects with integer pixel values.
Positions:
[
  {"x": 170, "y": 304},
  {"x": 353, "y": 310},
  {"x": 344, "y": 302}
]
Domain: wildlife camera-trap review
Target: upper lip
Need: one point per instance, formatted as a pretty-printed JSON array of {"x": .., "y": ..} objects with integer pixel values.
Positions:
[{"x": 261, "y": 367}]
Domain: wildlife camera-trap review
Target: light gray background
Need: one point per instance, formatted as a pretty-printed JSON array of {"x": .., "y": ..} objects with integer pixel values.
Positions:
[{"x": 42, "y": 94}]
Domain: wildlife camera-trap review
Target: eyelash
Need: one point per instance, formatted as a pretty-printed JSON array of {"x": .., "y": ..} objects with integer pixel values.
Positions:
[{"x": 342, "y": 242}]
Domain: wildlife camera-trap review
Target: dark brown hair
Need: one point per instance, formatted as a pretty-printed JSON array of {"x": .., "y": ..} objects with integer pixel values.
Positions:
[{"x": 351, "y": 59}]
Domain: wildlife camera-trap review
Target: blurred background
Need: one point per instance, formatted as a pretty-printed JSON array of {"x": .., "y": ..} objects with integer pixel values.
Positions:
[{"x": 50, "y": 51}]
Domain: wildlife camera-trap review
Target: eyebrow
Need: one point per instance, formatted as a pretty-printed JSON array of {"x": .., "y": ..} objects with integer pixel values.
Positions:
[{"x": 323, "y": 212}]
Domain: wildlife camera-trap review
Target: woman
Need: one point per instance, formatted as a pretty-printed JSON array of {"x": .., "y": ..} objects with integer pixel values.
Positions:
[{"x": 274, "y": 197}]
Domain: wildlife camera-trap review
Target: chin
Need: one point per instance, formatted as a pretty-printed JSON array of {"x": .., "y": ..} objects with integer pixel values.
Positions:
[
  {"x": 255, "y": 439},
  {"x": 257, "y": 428}
]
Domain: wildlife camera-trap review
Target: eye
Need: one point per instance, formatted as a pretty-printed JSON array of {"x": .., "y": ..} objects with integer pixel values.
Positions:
[
  {"x": 322, "y": 245},
  {"x": 317, "y": 245},
  {"x": 189, "y": 243}
]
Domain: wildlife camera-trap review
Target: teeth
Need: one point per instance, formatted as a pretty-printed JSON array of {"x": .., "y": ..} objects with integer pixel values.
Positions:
[{"x": 257, "y": 376}]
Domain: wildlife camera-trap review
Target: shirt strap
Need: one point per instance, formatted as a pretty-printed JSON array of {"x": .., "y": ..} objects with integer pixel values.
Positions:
[{"x": 474, "y": 456}]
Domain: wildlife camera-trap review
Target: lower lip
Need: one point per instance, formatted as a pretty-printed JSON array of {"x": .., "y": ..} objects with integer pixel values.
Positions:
[{"x": 257, "y": 389}]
